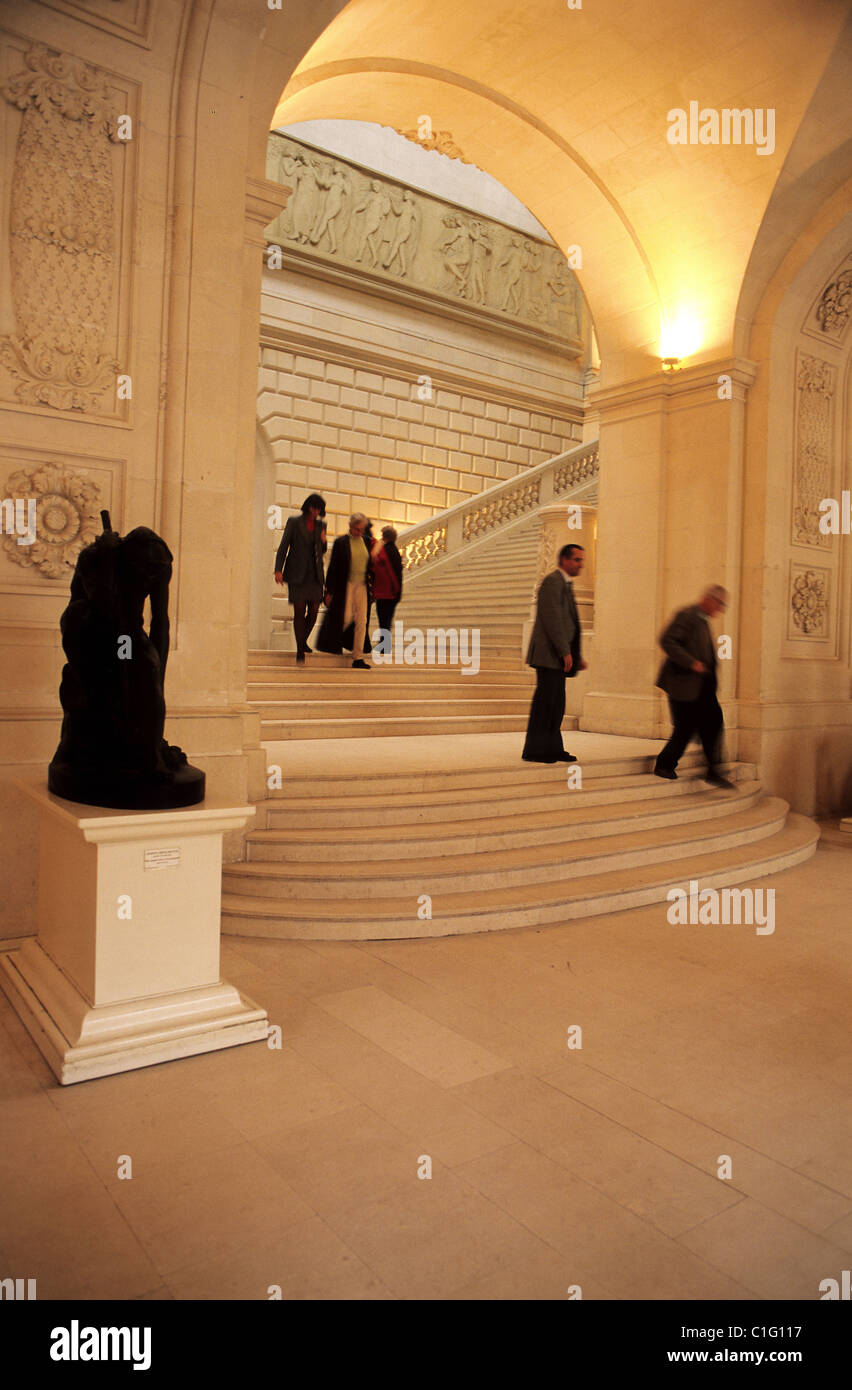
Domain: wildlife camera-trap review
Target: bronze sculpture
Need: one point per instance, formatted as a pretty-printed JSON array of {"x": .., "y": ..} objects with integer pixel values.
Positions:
[{"x": 112, "y": 751}]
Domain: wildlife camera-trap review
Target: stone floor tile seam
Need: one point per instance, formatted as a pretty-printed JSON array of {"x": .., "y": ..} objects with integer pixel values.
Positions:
[
  {"x": 151, "y": 1254},
  {"x": 681, "y": 1114},
  {"x": 175, "y": 1275},
  {"x": 657, "y": 1231},
  {"x": 481, "y": 1197}
]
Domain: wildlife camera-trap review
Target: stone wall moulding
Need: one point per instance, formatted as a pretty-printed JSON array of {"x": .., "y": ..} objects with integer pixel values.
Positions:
[
  {"x": 56, "y": 502},
  {"x": 809, "y": 603},
  {"x": 369, "y": 231},
  {"x": 829, "y": 315},
  {"x": 68, "y": 234},
  {"x": 813, "y": 462},
  {"x": 128, "y": 19}
]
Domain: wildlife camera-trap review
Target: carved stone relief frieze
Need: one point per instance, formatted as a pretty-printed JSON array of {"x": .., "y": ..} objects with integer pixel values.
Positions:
[
  {"x": 63, "y": 235},
  {"x": 812, "y": 465},
  {"x": 830, "y": 313},
  {"x": 809, "y": 601},
  {"x": 384, "y": 231}
]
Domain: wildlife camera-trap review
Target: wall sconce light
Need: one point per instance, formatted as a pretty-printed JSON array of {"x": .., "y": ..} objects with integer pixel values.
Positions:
[{"x": 672, "y": 364}]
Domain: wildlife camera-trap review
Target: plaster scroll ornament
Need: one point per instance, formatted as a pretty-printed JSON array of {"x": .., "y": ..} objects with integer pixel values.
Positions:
[
  {"x": 440, "y": 140},
  {"x": 812, "y": 478},
  {"x": 66, "y": 518},
  {"x": 835, "y": 305},
  {"x": 809, "y": 602},
  {"x": 62, "y": 233}
]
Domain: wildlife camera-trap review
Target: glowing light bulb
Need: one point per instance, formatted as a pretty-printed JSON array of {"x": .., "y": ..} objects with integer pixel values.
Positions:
[{"x": 680, "y": 336}]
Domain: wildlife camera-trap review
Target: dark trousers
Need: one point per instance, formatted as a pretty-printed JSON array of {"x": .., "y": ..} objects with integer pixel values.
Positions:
[
  {"x": 304, "y": 617},
  {"x": 702, "y": 717},
  {"x": 544, "y": 728},
  {"x": 385, "y": 609}
]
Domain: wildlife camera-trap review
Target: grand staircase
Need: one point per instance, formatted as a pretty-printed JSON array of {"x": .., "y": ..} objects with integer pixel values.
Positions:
[
  {"x": 493, "y": 848},
  {"x": 387, "y": 825},
  {"x": 489, "y": 589}
]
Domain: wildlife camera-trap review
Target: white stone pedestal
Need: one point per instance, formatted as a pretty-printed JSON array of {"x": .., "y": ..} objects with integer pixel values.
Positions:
[{"x": 124, "y": 971}]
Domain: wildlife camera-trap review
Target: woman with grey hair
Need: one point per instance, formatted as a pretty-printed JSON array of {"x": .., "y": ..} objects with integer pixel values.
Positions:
[
  {"x": 348, "y": 586},
  {"x": 387, "y": 579}
]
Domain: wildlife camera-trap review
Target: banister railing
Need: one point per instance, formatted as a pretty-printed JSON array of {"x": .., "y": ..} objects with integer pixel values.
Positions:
[{"x": 448, "y": 532}]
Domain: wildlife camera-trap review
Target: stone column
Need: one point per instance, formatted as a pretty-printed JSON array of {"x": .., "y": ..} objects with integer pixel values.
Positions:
[{"x": 670, "y": 503}]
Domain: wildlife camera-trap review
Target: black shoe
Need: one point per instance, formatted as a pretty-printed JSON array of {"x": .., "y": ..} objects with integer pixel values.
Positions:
[
  {"x": 527, "y": 759},
  {"x": 665, "y": 772},
  {"x": 717, "y": 780},
  {"x": 361, "y": 666},
  {"x": 300, "y": 658},
  {"x": 566, "y": 758}
]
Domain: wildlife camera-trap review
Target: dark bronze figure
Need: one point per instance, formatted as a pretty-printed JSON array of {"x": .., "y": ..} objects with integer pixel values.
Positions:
[{"x": 112, "y": 751}]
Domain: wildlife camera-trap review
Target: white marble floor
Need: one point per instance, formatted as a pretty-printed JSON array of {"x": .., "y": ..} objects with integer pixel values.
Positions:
[{"x": 550, "y": 1166}]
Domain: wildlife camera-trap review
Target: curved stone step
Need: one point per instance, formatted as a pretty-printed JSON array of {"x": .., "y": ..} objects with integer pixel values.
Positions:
[
  {"x": 357, "y": 919},
  {"x": 456, "y": 818},
  {"x": 377, "y": 727},
  {"x": 264, "y": 692},
  {"x": 630, "y": 772},
  {"x": 479, "y": 870}
]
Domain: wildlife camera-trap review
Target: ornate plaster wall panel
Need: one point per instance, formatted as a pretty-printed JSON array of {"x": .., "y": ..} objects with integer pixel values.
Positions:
[
  {"x": 828, "y": 319},
  {"x": 376, "y": 234},
  {"x": 68, "y": 197},
  {"x": 68, "y": 492},
  {"x": 809, "y": 609},
  {"x": 813, "y": 469}
]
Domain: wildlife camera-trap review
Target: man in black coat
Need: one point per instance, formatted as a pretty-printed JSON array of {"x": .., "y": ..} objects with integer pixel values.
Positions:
[
  {"x": 688, "y": 676},
  {"x": 555, "y": 653}
]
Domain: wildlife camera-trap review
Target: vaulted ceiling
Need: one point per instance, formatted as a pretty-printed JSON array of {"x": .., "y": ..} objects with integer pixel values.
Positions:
[{"x": 570, "y": 109}]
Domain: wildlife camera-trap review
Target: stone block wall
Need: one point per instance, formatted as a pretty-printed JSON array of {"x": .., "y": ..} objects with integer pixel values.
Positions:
[{"x": 365, "y": 440}]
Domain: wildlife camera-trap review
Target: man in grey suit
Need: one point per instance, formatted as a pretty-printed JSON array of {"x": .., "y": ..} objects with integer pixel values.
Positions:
[
  {"x": 554, "y": 651},
  {"x": 688, "y": 676}
]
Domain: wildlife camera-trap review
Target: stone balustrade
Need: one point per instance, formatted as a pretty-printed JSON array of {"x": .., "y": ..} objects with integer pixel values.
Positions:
[{"x": 447, "y": 533}]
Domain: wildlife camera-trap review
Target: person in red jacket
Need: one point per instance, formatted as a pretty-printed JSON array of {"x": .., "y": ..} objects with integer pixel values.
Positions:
[{"x": 387, "y": 579}]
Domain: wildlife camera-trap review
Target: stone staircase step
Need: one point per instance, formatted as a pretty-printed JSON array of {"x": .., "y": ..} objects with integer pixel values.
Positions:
[
  {"x": 616, "y": 775},
  {"x": 478, "y": 869},
  {"x": 468, "y": 805},
  {"x": 265, "y": 692},
  {"x": 366, "y": 917},
  {"x": 411, "y": 707},
  {"x": 399, "y": 725}
]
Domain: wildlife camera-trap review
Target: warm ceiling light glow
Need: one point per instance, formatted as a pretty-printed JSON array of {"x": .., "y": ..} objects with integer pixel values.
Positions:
[{"x": 681, "y": 335}]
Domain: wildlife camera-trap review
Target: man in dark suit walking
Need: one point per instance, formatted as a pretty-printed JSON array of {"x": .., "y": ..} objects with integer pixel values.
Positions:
[
  {"x": 688, "y": 676},
  {"x": 555, "y": 653}
]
